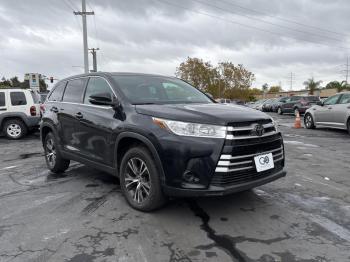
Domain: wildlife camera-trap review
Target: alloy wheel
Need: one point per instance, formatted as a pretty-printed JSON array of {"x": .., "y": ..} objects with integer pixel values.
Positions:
[
  {"x": 137, "y": 180},
  {"x": 308, "y": 121},
  {"x": 14, "y": 130},
  {"x": 50, "y": 152}
]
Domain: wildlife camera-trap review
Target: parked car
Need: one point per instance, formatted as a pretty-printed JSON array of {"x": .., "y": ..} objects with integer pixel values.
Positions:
[
  {"x": 223, "y": 100},
  {"x": 267, "y": 105},
  {"x": 19, "y": 112},
  {"x": 297, "y": 104},
  {"x": 257, "y": 105},
  {"x": 333, "y": 112},
  {"x": 161, "y": 137},
  {"x": 277, "y": 103}
]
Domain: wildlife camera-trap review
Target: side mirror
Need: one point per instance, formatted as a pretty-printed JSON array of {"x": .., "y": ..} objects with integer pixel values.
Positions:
[
  {"x": 320, "y": 103},
  {"x": 104, "y": 99}
]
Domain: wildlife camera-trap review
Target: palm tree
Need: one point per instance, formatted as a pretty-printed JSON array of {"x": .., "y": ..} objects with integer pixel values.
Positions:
[
  {"x": 312, "y": 85},
  {"x": 340, "y": 86}
]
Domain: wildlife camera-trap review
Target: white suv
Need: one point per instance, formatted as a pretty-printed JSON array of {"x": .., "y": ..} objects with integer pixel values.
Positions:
[{"x": 19, "y": 112}]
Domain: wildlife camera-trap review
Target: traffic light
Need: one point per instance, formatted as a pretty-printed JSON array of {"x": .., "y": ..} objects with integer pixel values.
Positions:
[{"x": 51, "y": 79}]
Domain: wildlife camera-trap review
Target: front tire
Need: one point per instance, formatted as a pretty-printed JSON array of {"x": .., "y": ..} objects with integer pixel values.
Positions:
[
  {"x": 15, "y": 129},
  {"x": 139, "y": 180},
  {"x": 54, "y": 161},
  {"x": 348, "y": 125},
  {"x": 309, "y": 121}
]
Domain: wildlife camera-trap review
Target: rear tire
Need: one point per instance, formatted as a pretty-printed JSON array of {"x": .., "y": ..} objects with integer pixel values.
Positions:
[
  {"x": 348, "y": 125},
  {"x": 279, "y": 111},
  {"x": 54, "y": 161},
  {"x": 15, "y": 129},
  {"x": 309, "y": 121},
  {"x": 140, "y": 180}
]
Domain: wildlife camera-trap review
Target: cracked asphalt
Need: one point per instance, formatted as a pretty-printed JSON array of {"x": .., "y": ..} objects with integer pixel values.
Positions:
[{"x": 81, "y": 216}]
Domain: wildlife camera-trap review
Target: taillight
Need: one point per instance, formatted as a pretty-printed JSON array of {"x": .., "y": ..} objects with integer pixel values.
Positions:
[{"x": 33, "y": 111}]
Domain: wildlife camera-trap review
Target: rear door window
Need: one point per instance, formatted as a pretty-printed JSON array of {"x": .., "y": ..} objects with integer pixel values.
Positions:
[
  {"x": 2, "y": 99},
  {"x": 74, "y": 91},
  {"x": 57, "y": 93},
  {"x": 18, "y": 98}
]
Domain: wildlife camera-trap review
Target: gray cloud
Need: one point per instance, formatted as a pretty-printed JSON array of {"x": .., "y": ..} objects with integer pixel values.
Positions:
[{"x": 156, "y": 35}]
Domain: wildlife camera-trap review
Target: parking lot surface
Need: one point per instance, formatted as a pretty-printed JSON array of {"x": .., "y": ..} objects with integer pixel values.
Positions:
[{"x": 82, "y": 216}]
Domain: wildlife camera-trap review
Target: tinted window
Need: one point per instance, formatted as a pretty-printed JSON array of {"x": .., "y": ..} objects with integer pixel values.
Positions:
[
  {"x": 95, "y": 86},
  {"x": 312, "y": 98},
  {"x": 74, "y": 91},
  {"x": 162, "y": 90},
  {"x": 2, "y": 99},
  {"x": 295, "y": 98},
  {"x": 57, "y": 93},
  {"x": 345, "y": 99},
  {"x": 331, "y": 100},
  {"x": 18, "y": 98}
]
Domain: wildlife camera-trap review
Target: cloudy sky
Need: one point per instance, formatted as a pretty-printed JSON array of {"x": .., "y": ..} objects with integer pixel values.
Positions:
[{"x": 272, "y": 38}]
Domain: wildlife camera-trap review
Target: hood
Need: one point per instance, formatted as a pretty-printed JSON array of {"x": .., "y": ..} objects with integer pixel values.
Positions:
[{"x": 216, "y": 114}]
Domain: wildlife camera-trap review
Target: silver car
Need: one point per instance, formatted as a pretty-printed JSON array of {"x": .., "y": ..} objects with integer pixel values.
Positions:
[{"x": 333, "y": 112}]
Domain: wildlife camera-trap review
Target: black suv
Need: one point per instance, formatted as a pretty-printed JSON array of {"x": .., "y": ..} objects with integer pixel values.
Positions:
[
  {"x": 297, "y": 104},
  {"x": 160, "y": 136}
]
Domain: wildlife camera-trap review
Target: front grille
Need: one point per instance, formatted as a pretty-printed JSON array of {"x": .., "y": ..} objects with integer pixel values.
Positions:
[
  {"x": 247, "y": 130},
  {"x": 236, "y": 164}
]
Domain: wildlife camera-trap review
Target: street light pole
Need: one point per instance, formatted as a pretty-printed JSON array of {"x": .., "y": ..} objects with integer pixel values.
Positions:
[{"x": 83, "y": 14}]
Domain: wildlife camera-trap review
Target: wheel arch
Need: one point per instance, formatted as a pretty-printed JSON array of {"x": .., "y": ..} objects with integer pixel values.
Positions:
[
  {"x": 128, "y": 139},
  {"x": 9, "y": 117}
]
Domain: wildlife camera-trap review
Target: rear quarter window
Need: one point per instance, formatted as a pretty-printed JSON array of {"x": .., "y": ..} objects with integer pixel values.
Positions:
[
  {"x": 18, "y": 98},
  {"x": 2, "y": 99}
]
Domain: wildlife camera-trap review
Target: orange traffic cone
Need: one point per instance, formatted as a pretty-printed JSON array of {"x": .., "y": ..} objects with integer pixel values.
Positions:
[{"x": 297, "y": 123}]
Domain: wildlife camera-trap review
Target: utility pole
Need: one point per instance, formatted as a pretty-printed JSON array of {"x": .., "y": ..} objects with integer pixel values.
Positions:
[
  {"x": 83, "y": 14},
  {"x": 347, "y": 70},
  {"x": 94, "y": 59},
  {"x": 291, "y": 81}
]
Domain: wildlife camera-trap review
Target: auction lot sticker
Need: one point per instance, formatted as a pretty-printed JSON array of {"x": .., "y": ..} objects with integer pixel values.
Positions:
[{"x": 264, "y": 162}]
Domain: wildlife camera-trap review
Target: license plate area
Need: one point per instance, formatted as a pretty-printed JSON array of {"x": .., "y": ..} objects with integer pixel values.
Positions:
[{"x": 264, "y": 162}]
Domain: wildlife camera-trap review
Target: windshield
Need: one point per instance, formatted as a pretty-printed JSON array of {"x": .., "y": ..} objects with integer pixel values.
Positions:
[{"x": 159, "y": 90}]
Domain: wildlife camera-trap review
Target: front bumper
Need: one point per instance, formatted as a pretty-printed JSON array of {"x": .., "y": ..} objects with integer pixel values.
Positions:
[{"x": 220, "y": 191}]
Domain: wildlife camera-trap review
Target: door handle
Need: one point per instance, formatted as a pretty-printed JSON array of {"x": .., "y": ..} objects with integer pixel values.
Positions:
[
  {"x": 330, "y": 107},
  {"x": 79, "y": 115},
  {"x": 347, "y": 107},
  {"x": 54, "y": 109}
]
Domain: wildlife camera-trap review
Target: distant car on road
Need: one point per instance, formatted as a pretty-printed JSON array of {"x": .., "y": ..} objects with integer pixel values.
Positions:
[
  {"x": 297, "y": 104},
  {"x": 278, "y": 102},
  {"x": 19, "y": 112},
  {"x": 267, "y": 105},
  {"x": 333, "y": 112}
]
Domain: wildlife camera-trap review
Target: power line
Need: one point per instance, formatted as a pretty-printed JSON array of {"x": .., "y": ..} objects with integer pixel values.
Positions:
[
  {"x": 284, "y": 19},
  {"x": 267, "y": 22},
  {"x": 245, "y": 25}
]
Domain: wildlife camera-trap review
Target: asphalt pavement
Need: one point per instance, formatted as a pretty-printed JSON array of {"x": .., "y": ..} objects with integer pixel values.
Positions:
[{"x": 81, "y": 216}]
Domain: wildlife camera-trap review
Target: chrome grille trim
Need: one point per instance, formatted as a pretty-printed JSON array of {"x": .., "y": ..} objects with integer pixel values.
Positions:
[
  {"x": 232, "y": 137},
  {"x": 224, "y": 163},
  {"x": 229, "y": 157},
  {"x": 248, "y": 128}
]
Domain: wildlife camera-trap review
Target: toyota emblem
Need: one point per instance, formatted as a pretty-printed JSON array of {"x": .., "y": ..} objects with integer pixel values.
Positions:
[{"x": 258, "y": 130}]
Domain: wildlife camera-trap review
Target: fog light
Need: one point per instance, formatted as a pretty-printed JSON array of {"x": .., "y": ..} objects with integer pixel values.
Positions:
[{"x": 190, "y": 177}]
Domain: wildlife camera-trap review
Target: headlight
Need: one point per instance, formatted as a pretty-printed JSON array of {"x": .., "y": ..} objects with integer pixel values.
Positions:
[{"x": 191, "y": 129}]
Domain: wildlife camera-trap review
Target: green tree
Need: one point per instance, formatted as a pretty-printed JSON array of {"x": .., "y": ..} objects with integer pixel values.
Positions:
[
  {"x": 312, "y": 85},
  {"x": 15, "y": 82},
  {"x": 197, "y": 72},
  {"x": 275, "y": 89},
  {"x": 226, "y": 80},
  {"x": 265, "y": 87},
  {"x": 340, "y": 86}
]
